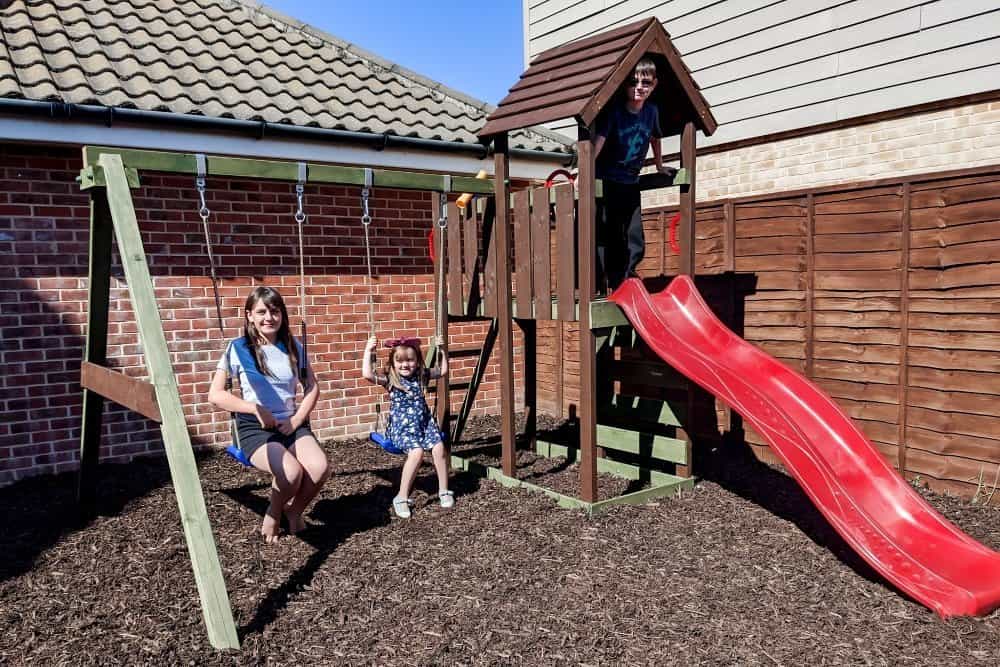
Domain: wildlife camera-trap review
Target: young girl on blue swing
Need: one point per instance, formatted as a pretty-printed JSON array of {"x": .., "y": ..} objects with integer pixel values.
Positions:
[
  {"x": 411, "y": 425},
  {"x": 272, "y": 433}
]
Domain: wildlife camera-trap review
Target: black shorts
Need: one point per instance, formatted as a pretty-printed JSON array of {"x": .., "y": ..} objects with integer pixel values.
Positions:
[{"x": 253, "y": 437}]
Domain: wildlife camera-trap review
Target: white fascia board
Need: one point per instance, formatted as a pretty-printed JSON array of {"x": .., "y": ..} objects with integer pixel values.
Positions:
[{"x": 126, "y": 135}]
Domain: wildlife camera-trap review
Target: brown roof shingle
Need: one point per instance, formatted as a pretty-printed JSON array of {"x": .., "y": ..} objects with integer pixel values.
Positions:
[
  {"x": 228, "y": 59},
  {"x": 578, "y": 79}
]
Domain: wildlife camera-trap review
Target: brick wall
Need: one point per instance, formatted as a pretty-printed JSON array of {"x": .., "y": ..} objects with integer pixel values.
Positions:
[
  {"x": 966, "y": 136},
  {"x": 44, "y": 223}
]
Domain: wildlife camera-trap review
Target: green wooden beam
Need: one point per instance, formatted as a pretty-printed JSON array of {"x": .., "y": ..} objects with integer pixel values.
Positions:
[
  {"x": 638, "y": 409},
  {"x": 616, "y": 468},
  {"x": 180, "y": 456},
  {"x": 93, "y": 177},
  {"x": 184, "y": 163},
  {"x": 604, "y": 313},
  {"x": 643, "y": 496},
  {"x": 670, "y": 487},
  {"x": 634, "y": 442}
]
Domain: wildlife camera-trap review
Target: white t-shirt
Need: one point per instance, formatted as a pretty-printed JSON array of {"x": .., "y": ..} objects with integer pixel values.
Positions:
[{"x": 274, "y": 390}]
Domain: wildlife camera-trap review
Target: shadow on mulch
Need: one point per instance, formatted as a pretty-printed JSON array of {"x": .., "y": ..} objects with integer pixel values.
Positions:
[
  {"x": 735, "y": 469},
  {"x": 331, "y": 521},
  {"x": 39, "y": 511}
]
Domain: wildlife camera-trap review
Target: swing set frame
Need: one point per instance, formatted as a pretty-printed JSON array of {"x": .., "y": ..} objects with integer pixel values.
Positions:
[{"x": 109, "y": 174}]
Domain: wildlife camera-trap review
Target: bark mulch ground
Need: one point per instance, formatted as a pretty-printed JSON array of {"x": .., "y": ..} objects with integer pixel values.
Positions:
[{"x": 740, "y": 571}]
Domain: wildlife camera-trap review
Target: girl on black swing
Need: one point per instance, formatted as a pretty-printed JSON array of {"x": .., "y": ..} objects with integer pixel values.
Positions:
[{"x": 273, "y": 434}]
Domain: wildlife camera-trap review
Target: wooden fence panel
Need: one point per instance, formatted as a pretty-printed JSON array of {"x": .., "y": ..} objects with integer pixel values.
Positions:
[{"x": 886, "y": 295}]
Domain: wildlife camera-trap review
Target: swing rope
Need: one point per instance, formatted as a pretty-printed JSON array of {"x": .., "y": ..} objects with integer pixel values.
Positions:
[
  {"x": 366, "y": 221},
  {"x": 378, "y": 434},
  {"x": 234, "y": 449},
  {"x": 300, "y": 218}
]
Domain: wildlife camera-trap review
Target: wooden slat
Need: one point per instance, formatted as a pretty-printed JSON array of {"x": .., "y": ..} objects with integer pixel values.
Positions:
[
  {"x": 533, "y": 78},
  {"x": 134, "y": 394},
  {"x": 563, "y": 110},
  {"x": 659, "y": 447},
  {"x": 565, "y": 247},
  {"x": 489, "y": 279},
  {"x": 904, "y": 326},
  {"x": 587, "y": 78},
  {"x": 522, "y": 252},
  {"x": 543, "y": 103},
  {"x": 541, "y": 242},
  {"x": 177, "y": 443},
  {"x": 636, "y": 409},
  {"x": 470, "y": 239},
  {"x": 455, "y": 290},
  {"x": 949, "y": 196}
]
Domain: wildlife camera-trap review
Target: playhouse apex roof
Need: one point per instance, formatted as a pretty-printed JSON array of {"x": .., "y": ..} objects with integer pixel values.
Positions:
[{"x": 577, "y": 79}]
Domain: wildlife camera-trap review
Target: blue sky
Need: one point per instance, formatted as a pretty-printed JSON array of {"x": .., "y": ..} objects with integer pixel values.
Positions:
[{"x": 473, "y": 47}]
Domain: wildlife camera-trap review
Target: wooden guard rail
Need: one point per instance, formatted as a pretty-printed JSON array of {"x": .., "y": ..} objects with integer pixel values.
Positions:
[{"x": 543, "y": 256}]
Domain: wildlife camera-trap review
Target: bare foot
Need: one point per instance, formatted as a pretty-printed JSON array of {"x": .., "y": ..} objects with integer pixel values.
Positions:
[
  {"x": 271, "y": 527},
  {"x": 295, "y": 522}
]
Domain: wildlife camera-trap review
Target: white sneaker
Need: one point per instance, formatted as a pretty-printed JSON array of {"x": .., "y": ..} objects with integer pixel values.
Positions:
[
  {"x": 447, "y": 498},
  {"x": 401, "y": 506}
]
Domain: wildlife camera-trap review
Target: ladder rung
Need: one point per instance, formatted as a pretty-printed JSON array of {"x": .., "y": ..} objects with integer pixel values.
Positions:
[
  {"x": 464, "y": 350},
  {"x": 451, "y": 385}
]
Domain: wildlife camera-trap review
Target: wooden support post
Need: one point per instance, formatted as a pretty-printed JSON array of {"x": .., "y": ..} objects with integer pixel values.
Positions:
[
  {"x": 98, "y": 304},
  {"x": 586, "y": 259},
  {"x": 505, "y": 322},
  {"x": 180, "y": 457},
  {"x": 529, "y": 331},
  {"x": 686, "y": 266},
  {"x": 687, "y": 202}
]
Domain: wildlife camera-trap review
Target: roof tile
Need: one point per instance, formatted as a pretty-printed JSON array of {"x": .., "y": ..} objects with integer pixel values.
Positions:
[{"x": 226, "y": 58}]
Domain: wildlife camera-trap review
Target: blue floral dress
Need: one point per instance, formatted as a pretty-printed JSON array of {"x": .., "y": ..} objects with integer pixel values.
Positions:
[{"x": 411, "y": 425}]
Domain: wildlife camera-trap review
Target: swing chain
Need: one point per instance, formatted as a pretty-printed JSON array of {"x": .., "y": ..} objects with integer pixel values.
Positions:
[
  {"x": 300, "y": 188},
  {"x": 199, "y": 183},
  {"x": 443, "y": 219},
  {"x": 366, "y": 221},
  {"x": 203, "y": 212}
]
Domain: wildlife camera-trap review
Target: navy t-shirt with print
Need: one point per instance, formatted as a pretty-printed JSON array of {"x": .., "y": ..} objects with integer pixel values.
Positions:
[{"x": 627, "y": 140}]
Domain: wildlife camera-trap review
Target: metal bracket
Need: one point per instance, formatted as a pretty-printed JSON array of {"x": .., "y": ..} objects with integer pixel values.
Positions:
[{"x": 93, "y": 177}]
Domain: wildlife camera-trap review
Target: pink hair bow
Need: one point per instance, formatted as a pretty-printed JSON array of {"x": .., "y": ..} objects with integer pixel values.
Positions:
[{"x": 395, "y": 342}]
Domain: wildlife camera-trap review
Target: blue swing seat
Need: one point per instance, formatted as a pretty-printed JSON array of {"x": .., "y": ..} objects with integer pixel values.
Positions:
[
  {"x": 385, "y": 443},
  {"x": 237, "y": 453}
]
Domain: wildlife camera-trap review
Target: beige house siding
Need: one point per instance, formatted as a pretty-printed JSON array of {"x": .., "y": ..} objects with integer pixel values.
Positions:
[
  {"x": 967, "y": 136},
  {"x": 767, "y": 67}
]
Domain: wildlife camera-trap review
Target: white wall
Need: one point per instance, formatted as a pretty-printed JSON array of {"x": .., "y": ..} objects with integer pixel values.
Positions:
[{"x": 766, "y": 66}]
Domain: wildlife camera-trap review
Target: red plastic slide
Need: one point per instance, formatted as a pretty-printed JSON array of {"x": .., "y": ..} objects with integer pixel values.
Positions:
[{"x": 872, "y": 507}]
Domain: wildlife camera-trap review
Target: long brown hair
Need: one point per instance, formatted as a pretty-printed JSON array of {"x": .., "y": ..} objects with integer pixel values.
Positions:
[
  {"x": 390, "y": 369},
  {"x": 272, "y": 300}
]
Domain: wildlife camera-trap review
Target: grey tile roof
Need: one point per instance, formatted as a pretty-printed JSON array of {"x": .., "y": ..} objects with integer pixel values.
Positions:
[{"x": 229, "y": 59}]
